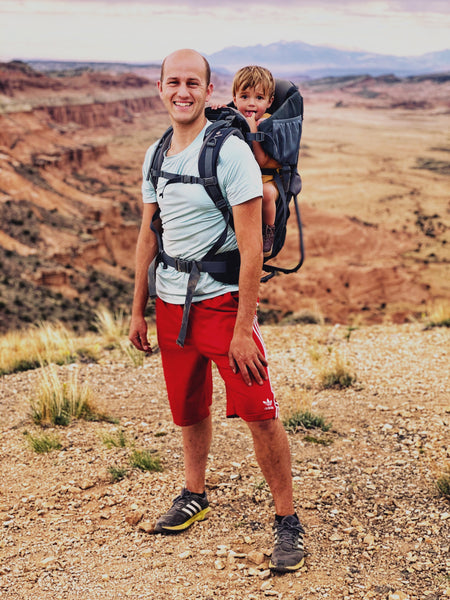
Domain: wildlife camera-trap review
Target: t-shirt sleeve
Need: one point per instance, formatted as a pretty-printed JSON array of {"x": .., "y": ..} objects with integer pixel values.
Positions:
[
  {"x": 148, "y": 191},
  {"x": 238, "y": 172}
]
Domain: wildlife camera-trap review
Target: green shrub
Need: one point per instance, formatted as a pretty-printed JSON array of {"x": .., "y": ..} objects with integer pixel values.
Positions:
[
  {"x": 43, "y": 443},
  {"x": 305, "y": 420},
  {"x": 145, "y": 460}
]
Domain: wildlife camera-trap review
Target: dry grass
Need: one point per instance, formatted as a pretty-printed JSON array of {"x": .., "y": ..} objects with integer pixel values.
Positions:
[
  {"x": 53, "y": 343},
  {"x": 111, "y": 326},
  {"x": 438, "y": 314},
  {"x": 57, "y": 401},
  {"x": 44, "y": 344},
  {"x": 338, "y": 374}
]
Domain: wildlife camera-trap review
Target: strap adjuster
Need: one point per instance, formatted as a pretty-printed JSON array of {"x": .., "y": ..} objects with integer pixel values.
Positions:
[{"x": 184, "y": 266}]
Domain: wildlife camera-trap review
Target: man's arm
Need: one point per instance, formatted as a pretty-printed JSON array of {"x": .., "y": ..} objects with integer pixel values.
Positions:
[
  {"x": 146, "y": 250},
  {"x": 244, "y": 355}
]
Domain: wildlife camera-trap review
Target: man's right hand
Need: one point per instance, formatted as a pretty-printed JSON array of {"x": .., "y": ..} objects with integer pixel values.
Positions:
[{"x": 138, "y": 334}]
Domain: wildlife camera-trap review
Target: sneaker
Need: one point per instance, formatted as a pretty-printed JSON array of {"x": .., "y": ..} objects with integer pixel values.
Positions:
[
  {"x": 288, "y": 553},
  {"x": 186, "y": 508},
  {"x": 268, "y": 236}
]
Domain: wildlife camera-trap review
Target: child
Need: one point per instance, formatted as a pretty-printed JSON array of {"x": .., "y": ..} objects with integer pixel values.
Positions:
[{"x": 253, "y": 91}]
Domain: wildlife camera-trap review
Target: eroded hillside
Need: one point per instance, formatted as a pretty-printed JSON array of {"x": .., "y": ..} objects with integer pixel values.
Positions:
[{"x": 374, "y": 162}]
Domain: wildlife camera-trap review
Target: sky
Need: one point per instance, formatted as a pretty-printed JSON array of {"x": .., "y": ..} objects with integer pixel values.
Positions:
[{"x": 147, "y": 30}]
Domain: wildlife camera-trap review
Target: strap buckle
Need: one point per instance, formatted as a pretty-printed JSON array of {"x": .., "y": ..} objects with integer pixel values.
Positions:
[{"x": 184, "y": 266}]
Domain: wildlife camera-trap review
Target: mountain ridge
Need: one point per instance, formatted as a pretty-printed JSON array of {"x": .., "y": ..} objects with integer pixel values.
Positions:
[{"x": 299, "y": 58}]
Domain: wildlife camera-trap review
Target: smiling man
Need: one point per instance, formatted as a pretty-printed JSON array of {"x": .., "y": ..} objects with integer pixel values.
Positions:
[{"x": 222, "y": 325}]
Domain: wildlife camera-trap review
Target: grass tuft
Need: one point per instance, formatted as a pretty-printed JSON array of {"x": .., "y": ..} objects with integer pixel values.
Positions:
[
  {"x": 443, "y": 484},
  {"x": 117, "y": 439},
  {"x": 145, "y": 461},
  {"x": 117, "y": 473},
  {"x": 43, "y": 443},
  {"x": 437, "y": 315},
  {"x": 57, "y": 402},
  {"x": 338, "y": 375},
  {"x": 134, "y": 356},
  {"x": 111, "y": 326},
  {"x": 305, "y": 420}
]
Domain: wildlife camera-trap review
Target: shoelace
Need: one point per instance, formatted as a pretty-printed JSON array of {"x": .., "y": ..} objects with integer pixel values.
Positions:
[{"x": 288, "y": 532}]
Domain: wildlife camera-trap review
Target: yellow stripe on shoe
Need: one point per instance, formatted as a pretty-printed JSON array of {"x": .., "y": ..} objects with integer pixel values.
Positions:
[{"x": 200, "y": 516}]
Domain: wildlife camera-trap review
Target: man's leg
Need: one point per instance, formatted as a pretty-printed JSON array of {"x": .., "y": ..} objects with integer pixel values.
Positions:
[
  {"x": 273, "y": 455},
  {"x": 196, "y": 444},
  {"x": 192, "y": 504},
  {"x": 274, "y": 458}
]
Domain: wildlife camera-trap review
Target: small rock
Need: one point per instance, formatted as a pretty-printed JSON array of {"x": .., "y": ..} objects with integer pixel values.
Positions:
[
  {"x": 134, "y": 517},
  {"x": 219, "y": 564},
  {"x": 264, "y": 574},
  {"x": 266, "y": 585},
  {"x": 185, "y": 554},
  {"x": 147, "y": 526},
  {"x": 398, "y": 596},
  {"x": 256, "y": 557}
]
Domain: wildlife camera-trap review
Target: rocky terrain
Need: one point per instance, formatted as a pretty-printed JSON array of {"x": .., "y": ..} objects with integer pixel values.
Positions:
[
  {"x": 365, "y": 490},
  {"x": 375, "y": 208}
]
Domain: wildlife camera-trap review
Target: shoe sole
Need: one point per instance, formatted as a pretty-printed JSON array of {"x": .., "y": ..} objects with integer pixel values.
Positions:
[
  {"x": 287, "y": 569},
  {"x": 200, "y": 516}
]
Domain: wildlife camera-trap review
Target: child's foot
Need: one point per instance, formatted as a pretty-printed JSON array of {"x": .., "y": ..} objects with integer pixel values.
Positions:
[{"x": 268, "y": 235}]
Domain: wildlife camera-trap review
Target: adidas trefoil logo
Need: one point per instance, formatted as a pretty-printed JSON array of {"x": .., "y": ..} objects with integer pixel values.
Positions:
[{"x": 268, "y": 403}]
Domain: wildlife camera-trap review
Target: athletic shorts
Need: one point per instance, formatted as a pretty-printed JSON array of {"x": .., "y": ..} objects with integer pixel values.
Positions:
[{"x": 188, "y": 370}]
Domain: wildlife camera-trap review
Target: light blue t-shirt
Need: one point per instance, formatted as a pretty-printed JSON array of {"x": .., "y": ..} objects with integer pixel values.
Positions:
[{"x": 191, "y": 222}]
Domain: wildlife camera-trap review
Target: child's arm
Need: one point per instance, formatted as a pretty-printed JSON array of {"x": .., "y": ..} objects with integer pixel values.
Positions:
[
  {"x": 216, "y": 105},
  {"x": 264, "y": 160}
]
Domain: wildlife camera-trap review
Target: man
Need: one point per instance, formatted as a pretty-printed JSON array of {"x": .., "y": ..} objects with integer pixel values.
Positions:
[{"x": 222, "y": 324}]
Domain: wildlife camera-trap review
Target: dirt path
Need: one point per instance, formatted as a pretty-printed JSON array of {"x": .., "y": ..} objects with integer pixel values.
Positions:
[{"x": 365, "y": 490}]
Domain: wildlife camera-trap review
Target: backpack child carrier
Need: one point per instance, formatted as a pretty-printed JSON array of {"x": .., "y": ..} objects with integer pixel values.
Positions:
[{"x": 279, "y": 136}]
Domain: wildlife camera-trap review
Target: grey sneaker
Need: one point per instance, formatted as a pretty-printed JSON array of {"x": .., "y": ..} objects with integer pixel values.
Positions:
[
  {"x": 186, "y": 508},
  {"x": 288, "y": 553},
  {"x": 268, "y": 236}
]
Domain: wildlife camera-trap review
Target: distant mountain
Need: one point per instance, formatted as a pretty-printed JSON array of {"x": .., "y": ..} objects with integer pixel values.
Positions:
[{"x": 297, "y": 58}]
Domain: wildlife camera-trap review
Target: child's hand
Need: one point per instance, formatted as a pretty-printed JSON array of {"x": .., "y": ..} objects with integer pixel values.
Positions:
[
  {"x": 252, "y": 123},
  {"x": 216, "y": 105},
  {"x": 259, "y": 121}
]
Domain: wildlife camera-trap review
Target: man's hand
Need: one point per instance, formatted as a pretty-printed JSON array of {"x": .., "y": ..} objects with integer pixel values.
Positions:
[
  {"x": 246, "y": 358},
  {"x": 138, "y": 334}
]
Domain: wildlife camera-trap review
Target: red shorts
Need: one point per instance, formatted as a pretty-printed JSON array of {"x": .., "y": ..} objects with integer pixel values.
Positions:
[{"x": 188, "y": 372}]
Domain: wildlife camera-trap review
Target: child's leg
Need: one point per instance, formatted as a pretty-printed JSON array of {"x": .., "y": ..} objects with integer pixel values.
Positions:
[{"x": 270, "y": 195}]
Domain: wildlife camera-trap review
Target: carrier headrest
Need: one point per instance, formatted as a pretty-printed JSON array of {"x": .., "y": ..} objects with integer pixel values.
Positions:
[{"x": 283, "y": 89}]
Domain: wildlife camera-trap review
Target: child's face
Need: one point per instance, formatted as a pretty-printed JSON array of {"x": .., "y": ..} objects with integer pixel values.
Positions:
[{"x": 252, "y": 102}]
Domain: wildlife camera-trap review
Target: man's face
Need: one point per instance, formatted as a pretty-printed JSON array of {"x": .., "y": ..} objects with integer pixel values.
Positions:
[{"x": 183, "y": 89}]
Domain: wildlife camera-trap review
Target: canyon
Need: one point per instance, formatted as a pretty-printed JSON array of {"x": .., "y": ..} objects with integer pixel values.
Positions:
[{"x": 375, "y": 205}]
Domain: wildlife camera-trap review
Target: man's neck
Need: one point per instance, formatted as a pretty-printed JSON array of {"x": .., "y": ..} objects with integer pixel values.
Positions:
[{"x": 184, "y": 135}]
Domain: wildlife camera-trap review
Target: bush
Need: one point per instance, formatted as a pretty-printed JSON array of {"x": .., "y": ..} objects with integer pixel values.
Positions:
[
  {"x": 305, "y": 420},
  {"x": 43, "y": 443},
  {"x": 145, "y": 460}
]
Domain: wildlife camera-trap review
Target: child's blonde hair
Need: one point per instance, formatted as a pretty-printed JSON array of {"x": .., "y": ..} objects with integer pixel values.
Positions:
[{"x": 252, "y": 77}]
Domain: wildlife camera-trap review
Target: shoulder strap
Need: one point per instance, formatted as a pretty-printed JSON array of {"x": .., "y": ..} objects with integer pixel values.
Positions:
[
  {"x": 156, "y": 162},
  {"x": 215, "y": 137}
]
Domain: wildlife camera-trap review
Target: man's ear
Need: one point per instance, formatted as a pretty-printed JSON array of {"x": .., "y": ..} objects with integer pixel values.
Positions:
[{"x": 209, "y": 91}]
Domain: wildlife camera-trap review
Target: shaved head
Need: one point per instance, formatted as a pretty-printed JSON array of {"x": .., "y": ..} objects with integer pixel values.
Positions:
[{"x": 188, "y": 55}]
